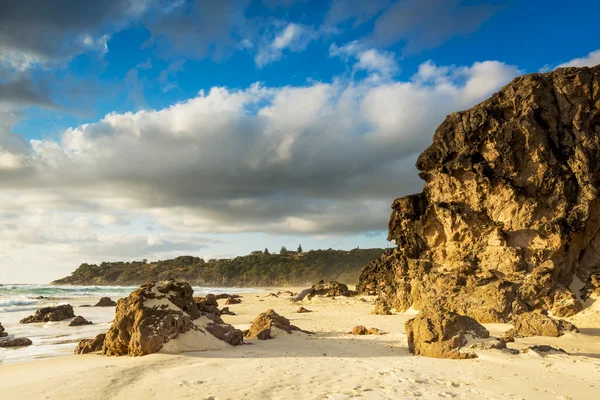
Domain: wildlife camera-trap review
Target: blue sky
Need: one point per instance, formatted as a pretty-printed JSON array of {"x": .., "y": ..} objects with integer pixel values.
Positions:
[{"x": 137, "y": 129}]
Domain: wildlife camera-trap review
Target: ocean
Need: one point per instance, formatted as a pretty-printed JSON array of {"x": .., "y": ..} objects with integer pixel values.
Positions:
[{"x": 53, "y": 339}]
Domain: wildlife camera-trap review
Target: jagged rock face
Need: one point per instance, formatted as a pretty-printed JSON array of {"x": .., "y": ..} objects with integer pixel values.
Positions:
[
  {"x": 440, "y": 333},
  {"x": 53, "y": 314},
  {"x": 159, "y": 313},
  {"x": 538, "y": 324},
  {"x": 510, "y": 211},
  {"x": 90, "y": 345}
]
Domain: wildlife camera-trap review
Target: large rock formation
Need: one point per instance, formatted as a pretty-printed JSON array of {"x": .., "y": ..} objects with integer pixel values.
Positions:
[
  {"x": 510, "y": 212},
  {"x": 163, "y": 315},
  {"x": 52, "y": 314},
  {"x": 15, "y": 342},
  {"x": 440, "y": 333},
  {"x": 106, "y": 302}
]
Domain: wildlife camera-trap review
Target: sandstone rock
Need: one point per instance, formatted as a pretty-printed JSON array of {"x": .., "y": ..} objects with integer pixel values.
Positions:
[
  {"x": 105, "y": 302},
  {"x": 79, "y": 320},
  {"x": 263, "y": 325},
  {"x": 232, "y": 300},
  {"x": 331, "y": 289},
  {"x": 439, "y": 333},
  {"x": 362, "y": 330},
  {"x": 53, "y": 314},
  {"x": 510, "y": 211},
  {"x": 90, "y": 345},
  {"x": 209, "y": 307},
  {"x": 15, "y": 342},
  {"x": 546, "y": 349},
  {"x": 226, "y": 333},
  {"x": 538, "y": 324},
  {"x": 272, "y": 295},
  {"x": 162, "y": 314},
  {"x": 2, "y": 331},
  {"x": 303, "y": 310}
]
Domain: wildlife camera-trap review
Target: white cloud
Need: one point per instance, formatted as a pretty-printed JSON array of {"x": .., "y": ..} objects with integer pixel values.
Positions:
[
  {"x": 380, "y": 63},
  {"x": 591, "y": 60},
  {"x": 293, "y": 37}
]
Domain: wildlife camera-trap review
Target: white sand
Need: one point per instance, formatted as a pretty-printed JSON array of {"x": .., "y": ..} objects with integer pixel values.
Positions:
[{"x": 328, "y": 365}]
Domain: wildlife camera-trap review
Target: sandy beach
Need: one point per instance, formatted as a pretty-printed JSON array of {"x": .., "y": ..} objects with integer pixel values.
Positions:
[{"x": 331, "y": 364}]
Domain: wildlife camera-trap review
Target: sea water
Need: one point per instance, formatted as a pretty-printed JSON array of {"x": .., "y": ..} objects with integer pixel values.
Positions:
[{"x": 51, "y": 339}]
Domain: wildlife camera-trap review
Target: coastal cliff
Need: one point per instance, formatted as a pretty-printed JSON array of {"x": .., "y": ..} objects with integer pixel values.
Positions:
[
  {"x": 256, "y": 269},
  {"x": 509, "y": 219}
]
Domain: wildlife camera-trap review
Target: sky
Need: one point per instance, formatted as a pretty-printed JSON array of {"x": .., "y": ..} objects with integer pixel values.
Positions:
[{"x": 134, "y": 129}]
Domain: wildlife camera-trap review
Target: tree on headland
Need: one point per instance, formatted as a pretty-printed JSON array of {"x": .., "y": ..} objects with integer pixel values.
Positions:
[
  {"x": 283, "y": 250},
  {"x": 266, "y": 252},
  {"x": 299, "y": 248}
]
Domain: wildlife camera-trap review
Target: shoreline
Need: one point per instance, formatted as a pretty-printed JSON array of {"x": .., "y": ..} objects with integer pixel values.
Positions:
[{"x": 330, "y": 364}]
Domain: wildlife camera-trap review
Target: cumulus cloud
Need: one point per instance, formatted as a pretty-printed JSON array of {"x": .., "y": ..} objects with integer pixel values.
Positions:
[
  {"x": 293, "y": 37},
  {"x": 380, "y": 63},
  {"x": 591, "y": 60},
  {"x": 314, "y": 159}
]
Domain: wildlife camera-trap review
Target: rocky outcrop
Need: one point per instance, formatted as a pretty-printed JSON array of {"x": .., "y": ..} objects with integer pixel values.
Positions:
[
  {"x": 106, "y": 302},
  {"x": 510, "y": 211},
  {"x": 222, "y": 296},
  {"x": 436, "y": 332},
  {"x": 163, "y": 314},
  {"x": 79, "y": 321},
  {"x": 538, "y": 324},
  {"x": 90, "y": 345},
  {"x": 15, "y": 342},
  {"x": 2, "y": 331},
  {"x": 362, "y": 330},
  {"x": 209, "y": 307},
  {"x": 266, "y": 325},
  {"x": 52, "y": 314},
  {"x": 302, "y": 310}
]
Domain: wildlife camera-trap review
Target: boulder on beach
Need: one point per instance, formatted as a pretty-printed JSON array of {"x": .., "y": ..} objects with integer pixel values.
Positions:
[
  {"x": 222, "y": 296},
  {"x": 106, "y": 302},
  {"x": 90, "y": 345},
  {"x": 79, "y": 321},
  {"x": 226, "y": 311},
  {"x": 209, "y": 307},
  {"x": 2, "y": 331},
  {"x": 266, "y": 325},
  {"x": 436, "y": 332},
  {"x": 232, "y": 300},
  {"x": 50, "y": 314},
  {"x": 362, "y": 330},
  {"x": 15, "y": 342},
  {"x": 331, "y": 289},
  {"x": 538, "y": 324},
  {"x": 302, "y": 310},
  {"x": 164, "y": 316},
  {"x": 509, "y": 215}
]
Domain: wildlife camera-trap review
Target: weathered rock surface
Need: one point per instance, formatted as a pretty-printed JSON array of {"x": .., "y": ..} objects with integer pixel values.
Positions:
[
  {"x": 162, "y": 313},
  {"x": 90, "y": 345},
  {"x": 362, "y": 330},
  {"x": 15, "y": 342},
  {"x": 302, "y": 310},
  {"x": 263, "y": 325},
  {"x": 105, "y": 302},
  {"x": 538, "y": 324},
  {"x": 209, "y": 307},
  {"x": 440, "y": 333},
  {"x": 226, "y": 311},
  {"x": 53, "y": 314},
  {"x": 79, "y": 321},
  {"x": 2, "y": 331},
  {"x": 510, "y": 211}
]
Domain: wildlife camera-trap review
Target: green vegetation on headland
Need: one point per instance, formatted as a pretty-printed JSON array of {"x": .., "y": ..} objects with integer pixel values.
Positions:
[{"x": 260, "y": 268}]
